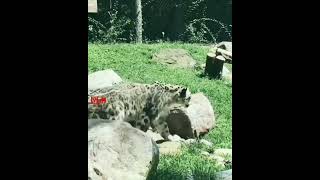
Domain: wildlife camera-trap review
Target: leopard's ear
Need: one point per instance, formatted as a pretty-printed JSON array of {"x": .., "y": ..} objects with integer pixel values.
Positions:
[{"x": 183, "y": 92}]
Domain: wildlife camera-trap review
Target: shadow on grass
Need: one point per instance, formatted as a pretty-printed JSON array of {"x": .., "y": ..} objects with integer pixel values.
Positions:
[{"x": 201, "y": 75}]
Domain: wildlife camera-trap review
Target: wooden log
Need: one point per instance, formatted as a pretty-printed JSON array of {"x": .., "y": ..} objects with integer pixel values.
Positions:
[
  {"x": 222, "y": 51},
  {"x": 226, "y": 54},
  {"x": 214, "y": 65}
]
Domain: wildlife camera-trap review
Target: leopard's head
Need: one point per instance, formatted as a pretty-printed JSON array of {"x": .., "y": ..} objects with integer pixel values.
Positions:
[{"x": 181, "y": 94}]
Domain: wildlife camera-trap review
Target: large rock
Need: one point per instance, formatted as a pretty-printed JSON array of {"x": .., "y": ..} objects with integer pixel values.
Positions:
[
  {"x": 197, "y": 118},
  {"x": 177, "y": 58},
  {"x": 201, "y": 114},
  {"x": 118, "y": 151},
  {"x": 180, "y": 123},
  {"x": 101, "y": 79}
]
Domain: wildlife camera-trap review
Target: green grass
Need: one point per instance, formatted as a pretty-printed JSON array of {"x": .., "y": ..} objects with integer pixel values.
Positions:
[
  {"x": 181, "y": 167},
  {"x": 133, "y": 63}
]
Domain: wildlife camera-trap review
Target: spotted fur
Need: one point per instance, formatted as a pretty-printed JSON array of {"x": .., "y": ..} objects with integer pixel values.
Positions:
[{"x": 141, "y": 105}]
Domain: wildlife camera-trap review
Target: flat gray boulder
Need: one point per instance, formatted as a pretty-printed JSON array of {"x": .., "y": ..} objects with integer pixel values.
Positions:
[
  {"x": 101, "y": 79},
  {"x": 176, "y": 58},
  {"x": 118, "y": 151}
]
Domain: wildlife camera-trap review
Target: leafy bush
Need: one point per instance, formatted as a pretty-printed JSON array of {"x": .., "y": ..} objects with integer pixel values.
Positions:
[
  {"x": 115, "y": 22},
  {"x": 111, "y": 25},
  {"x": 206, "y": 30}
]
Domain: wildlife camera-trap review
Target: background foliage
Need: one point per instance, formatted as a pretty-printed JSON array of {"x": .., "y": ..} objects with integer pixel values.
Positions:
[{"x": 193, "y": 21}]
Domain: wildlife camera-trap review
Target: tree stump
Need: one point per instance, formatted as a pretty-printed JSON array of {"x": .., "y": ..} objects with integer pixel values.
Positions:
[{"x": 214, "y": 65}]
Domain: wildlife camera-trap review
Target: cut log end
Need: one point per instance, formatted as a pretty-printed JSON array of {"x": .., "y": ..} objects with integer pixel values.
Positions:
[
  {"x": 211, "y": 55},
  {"x": 220, "y": 58},
  {"x": 214, "y": 65}
]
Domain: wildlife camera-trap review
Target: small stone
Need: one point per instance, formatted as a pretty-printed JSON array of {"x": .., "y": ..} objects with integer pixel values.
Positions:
[
  {"x": 223, "y": 152},
  {"x": 219, "y": 160},
  {"x": 176, "y": 138},
  {"x": 205, "y": 153},
  {"x": 190, "y": 141},
  {"x": 169, "y": 147},
  {"x": 155, "y": 136},
  {"x": 224, "y": 175},
  {"x": 207, "y": 143}
]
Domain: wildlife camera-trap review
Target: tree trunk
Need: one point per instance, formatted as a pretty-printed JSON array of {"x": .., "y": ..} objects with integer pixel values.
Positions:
[{"x": 138, "y": 21}]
